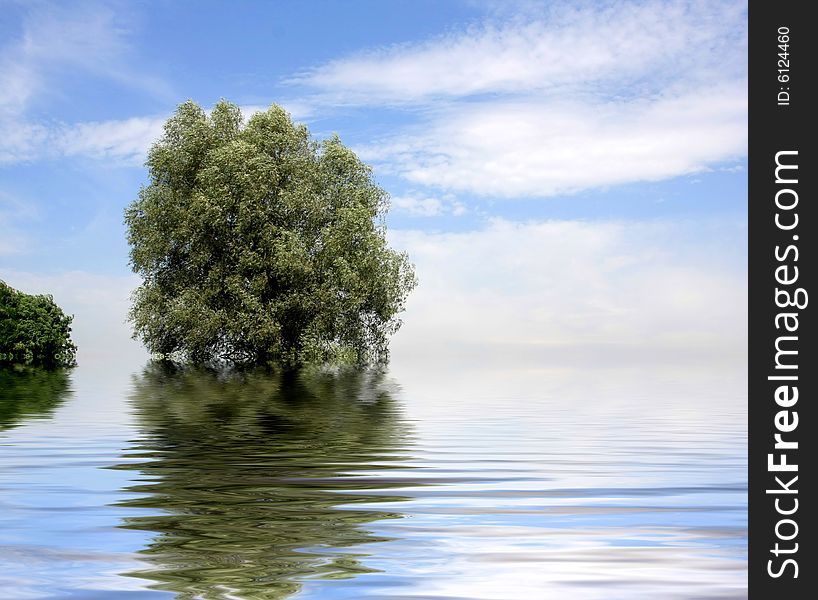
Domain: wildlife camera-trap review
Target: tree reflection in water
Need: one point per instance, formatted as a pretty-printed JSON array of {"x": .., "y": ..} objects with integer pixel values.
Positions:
[
  {"x": 30, "y": 393},
  {"x": 247, "y": 472}
]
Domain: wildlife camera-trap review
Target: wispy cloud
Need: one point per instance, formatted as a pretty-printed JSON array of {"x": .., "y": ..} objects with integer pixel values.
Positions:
[
  {"x": 124, "y": 141},
  {"x": 426, "y": 206},
  {"x": 531, "y": 148},
  {"x": 569, "y": 98},
  {"x": 55, "y": 41},
  {"x": 619, "y": 47},
  {"x": 55, "y": 38},
  {"x": 127, "y": 140}
]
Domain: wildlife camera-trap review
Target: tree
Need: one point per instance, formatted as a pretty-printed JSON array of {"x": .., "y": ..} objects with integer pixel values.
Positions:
[
  {"x": 34, "y": 331},
  {"x": 258, "y": 244}
]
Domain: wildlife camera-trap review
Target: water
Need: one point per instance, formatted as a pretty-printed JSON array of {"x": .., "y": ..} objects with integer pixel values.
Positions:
[{"x": 437, "y": 482}]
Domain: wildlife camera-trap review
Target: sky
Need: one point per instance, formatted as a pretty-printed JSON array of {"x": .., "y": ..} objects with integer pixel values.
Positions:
[{"x": 569, "y": 178}]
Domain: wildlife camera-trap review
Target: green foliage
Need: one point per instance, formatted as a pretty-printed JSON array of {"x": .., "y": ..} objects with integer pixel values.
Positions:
[
  {"x": 34, "y": 331},
  {"x": 257, "y": 244}
]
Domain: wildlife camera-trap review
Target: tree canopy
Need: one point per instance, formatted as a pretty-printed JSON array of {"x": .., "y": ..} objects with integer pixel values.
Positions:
[
  {"x": 257, "y": 243},
  {"x": 34, "y": 331}
]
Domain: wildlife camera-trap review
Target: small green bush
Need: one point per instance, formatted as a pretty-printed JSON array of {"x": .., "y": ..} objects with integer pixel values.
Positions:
[{"x": 34, "y": 331}]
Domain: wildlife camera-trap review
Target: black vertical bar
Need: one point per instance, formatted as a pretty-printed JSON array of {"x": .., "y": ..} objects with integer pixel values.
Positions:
[{"x": 781, "y": 66}]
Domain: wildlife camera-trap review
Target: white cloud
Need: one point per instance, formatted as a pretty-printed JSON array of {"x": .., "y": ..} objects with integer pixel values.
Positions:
[
  {"x": 54, "y": 41},
  {"x": 127, "y": 139},
  {"x": 425, "y": 206},
  {"x": 90, "y": 39},
  {"x": 574, "y": 293},
  {"x": 539, "y": 149},
  {"x": 566, "y": 98},
  {"x": 17, "y": 83},
  {"x": 21, "y": 140},
  {"x": 567, "y": 48}
]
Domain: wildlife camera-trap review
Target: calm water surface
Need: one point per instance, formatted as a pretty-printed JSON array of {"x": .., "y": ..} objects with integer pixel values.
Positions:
[{"x": 428, "y": 483}]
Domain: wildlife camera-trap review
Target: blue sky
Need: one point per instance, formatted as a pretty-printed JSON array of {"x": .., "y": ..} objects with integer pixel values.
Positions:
[{"x": 570, "y": 175}]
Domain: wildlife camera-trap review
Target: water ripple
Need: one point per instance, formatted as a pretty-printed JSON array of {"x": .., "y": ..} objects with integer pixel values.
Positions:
[{"x": 343, "y": 485}]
